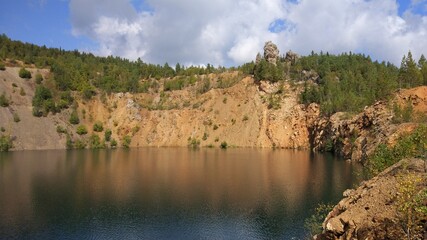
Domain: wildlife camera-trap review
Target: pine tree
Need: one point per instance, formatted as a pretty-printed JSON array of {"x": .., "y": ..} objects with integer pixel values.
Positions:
[
  {"x": 422, "y": 65},
  {"x": 409, "y": 74},
  {"x": 422, "y": 61}
]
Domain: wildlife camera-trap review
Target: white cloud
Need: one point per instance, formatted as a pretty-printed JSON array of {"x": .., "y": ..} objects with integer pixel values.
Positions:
[{"x": 226, "y": 32}]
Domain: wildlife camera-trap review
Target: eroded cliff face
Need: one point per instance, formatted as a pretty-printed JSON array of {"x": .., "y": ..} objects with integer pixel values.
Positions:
[
  {"x": 240, "y": 115},
  {"x": 355, "y": 137},
  {"x": 243, "y": 115}
]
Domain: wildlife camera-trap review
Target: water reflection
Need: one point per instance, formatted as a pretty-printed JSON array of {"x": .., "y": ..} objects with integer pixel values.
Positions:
[{"x": 165, "y": 192}]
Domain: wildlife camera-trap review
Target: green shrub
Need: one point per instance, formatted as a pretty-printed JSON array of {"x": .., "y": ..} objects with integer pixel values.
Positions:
[
  {"x": 107, "y": 135},
  {"x": 5, "y": 143},
  {"x": 2, "y": 129},
  {"x": 61, "y": 129},
  {"x": 88, "y": 93},
  {"x": 2, "y": 67},
  {"x": 329, "y": 145},
  {"x": 39, "y": 78},
  {"x": 274, "y": 102},
  {"x": 204, "y": 86},
  {"x": 126, "y": 141},
  {"x": 411, "y": 204},
  {"x": 95, "y": 142},
  {"x": 314, "y": 223},
  {"x": 135, "y": 130},
  {"x": 205, "y": 136},
  {"x": 410, "y": 145},
  {"x": 22, "y": 92},
  {"x": 403, "y": 114},
  {"x": 245, "y": 118},
  {"x": 175, "y": 84},
  {"x": 113, "y": 143},
  {"x": 69, "y": 142},
  {"x": 267, "y": 71},
  {"x": 193, "y": 142},
  {"x": 16, "y": 117},
  {"x": 215, "y": 127},
  {"x": 223, "y": 145},
  {"x": 24, "y": 73},
  {"x": 74, "y": 118},
  {"x": 81, "y": 130},
  {"x": 43, "y": 102},
  {"x": 80, "y": 144},
  {"x": 66, "y": 100},
  {"x": 4, "y": 102},
  {"x": 98, "y": 127},
  {"x": 14, "y": 85}
]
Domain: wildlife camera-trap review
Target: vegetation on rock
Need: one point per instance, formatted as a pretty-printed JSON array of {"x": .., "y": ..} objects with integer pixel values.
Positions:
[
  {"x": 411, "y": 145},
  {"x": 126, "y": 141},
  {"x": 4, "y": 102},
  {"x": 98, "y": 126},
  {"x": 24, "y": 73},
  {"x": 74, "y": 118},
  {"x": 81, "y": 130},
  {"x": 43, "y": 102},
  {"x": 5, "y": 143},
  {"x": 107, "y": 135}
]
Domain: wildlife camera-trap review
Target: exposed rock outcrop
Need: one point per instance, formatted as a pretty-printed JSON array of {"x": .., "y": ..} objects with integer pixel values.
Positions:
[
  {"x": 355, "y": 137},
  {"x": 239, "y": 115},
  {"x": 370, "y": 211},
  {"x": 291, "y": 57},
  {"x": 271, "y": 52},
  {"x": 310, "y": 76}
]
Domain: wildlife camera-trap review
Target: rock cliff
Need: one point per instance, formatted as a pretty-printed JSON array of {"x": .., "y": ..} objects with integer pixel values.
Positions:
[
  {"x": 356, "y": 136},
  {"x": 244, "y": 114}
]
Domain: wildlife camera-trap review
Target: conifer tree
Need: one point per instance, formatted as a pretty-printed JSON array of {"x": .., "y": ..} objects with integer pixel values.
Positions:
[{"x": 409, "y": 74}]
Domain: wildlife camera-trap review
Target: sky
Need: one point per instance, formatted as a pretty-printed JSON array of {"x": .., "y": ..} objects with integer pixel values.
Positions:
[{"x": 220, "y": 32}]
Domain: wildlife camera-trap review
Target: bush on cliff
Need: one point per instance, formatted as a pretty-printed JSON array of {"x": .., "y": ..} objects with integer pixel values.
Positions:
[
  {"x": 4, "y": 102},
  {"x": 5, "y": 143},
  {"x": 24, "y": 73},
  {"x": 43, "y": 102},
  {"x": 411, "y": 145}
]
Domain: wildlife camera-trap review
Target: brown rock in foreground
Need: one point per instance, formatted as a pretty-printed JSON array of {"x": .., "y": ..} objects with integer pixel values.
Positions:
[{"x": 370, "y": 211}]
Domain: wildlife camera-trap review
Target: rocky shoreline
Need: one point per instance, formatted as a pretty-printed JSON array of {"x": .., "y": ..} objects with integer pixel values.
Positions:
[{"x": 374, "y": 209}]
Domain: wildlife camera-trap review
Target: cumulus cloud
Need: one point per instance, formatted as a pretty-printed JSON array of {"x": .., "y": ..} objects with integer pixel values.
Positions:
[{"x": 224, "y": 32}]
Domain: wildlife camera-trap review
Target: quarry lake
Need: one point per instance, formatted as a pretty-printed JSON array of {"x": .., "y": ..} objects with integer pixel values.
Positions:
[{"x": 166, "y": 193}]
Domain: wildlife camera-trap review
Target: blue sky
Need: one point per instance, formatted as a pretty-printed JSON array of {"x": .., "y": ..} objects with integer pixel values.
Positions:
[
  {"x": 42, "y": 23},
  {"x": 199, "y": 31}
]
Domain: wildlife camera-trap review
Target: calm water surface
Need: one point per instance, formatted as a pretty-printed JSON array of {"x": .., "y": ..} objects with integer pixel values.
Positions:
[{"x": 165, "y": 193}]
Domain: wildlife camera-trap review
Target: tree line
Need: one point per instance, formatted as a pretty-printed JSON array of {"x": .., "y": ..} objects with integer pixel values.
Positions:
[
  {"x": 348, "y": 82},
  {"x": 85, "y": 72}
]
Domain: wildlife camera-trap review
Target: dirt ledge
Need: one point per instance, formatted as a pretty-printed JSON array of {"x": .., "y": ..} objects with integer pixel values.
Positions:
[{"x": 370, "y": 211}]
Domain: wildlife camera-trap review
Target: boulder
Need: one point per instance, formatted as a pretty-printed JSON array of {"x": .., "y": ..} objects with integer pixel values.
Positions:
[
  {"x": 271, "y": 52},
  {"x": 291, "y": 57}
]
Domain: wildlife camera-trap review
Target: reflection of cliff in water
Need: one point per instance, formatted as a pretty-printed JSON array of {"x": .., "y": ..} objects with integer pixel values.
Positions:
[{"x": 265, "y": 186}]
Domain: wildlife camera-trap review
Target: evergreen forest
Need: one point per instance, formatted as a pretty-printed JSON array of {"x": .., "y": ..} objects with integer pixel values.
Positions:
[{"x": 345, "y": 82}]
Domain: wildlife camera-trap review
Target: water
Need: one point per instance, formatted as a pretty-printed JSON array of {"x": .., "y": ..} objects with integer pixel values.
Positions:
[{"x": 165, "y": 193}]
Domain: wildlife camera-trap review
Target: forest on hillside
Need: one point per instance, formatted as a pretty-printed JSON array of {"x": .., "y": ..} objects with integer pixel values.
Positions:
[{"x": 345, "y": 82}]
